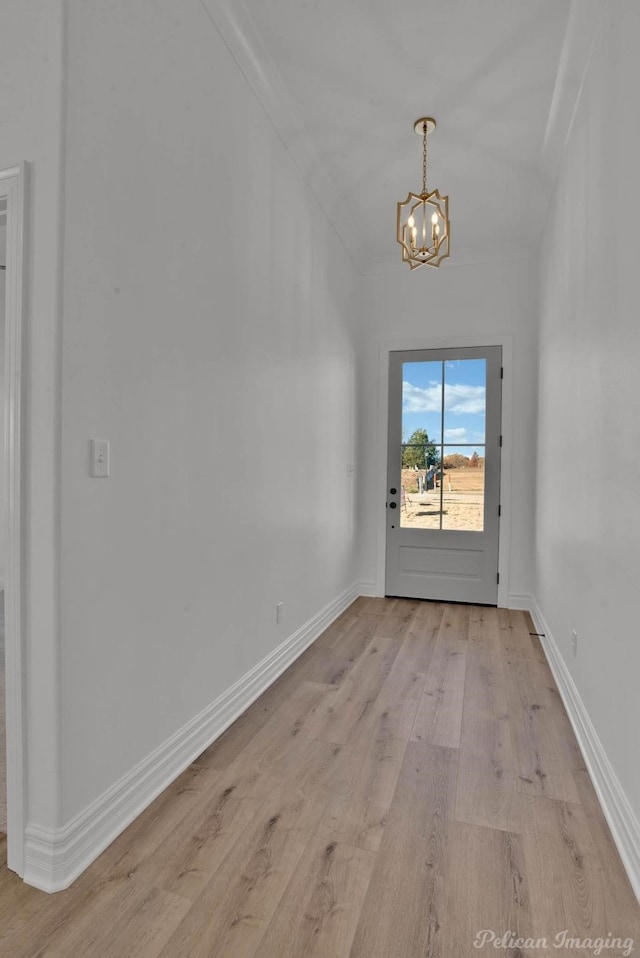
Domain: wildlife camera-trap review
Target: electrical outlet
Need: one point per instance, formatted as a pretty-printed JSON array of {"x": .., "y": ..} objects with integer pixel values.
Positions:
[
  {"x": 279, "y": 612},
  {"x": 574, "y": 642}
]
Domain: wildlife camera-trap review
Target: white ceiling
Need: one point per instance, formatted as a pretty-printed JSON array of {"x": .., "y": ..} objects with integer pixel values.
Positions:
[{"x": 344, "y": 80}]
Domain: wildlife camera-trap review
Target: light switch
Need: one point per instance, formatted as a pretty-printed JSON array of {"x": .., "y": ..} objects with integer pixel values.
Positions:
[{"x": 99, "y": 459}]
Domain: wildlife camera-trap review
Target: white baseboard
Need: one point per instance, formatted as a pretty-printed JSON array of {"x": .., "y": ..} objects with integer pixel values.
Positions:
[
  {"x": 367, "y": 589},
  {"x": 54, "y": 858},
  {"x": 521, "y": 602},
  {"x": 620, "y": 816}
]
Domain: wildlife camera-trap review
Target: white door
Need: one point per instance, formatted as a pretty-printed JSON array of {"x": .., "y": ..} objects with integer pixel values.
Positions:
[{"x": 443, "y": 493}]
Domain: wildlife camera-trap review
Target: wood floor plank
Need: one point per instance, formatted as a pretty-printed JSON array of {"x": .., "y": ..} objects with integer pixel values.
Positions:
[
  {"x": 229, "y": 745},
  {"x": 393, "y": 711},
  {"x": 397, "y": 622},
  {"x": 544, "y": 759},
  {"x": 306, "y": 766},
  {"x": 566, "y": 885},
  {"x": 339, "y": 627},
  {"x": 318, "y": 914},
  {"x": 439, "y": 718},
  {"x": 487, "y": 792},
  {"x": 275, "y": 747},
  {"x": 192, "y": 854},
  {"x": 359, "y": 804},
  {"x": 341, "y": 713},
  {"x": 302, "y": 763},
  {"x": 232, "y": 913},
  {"x": 374, "y": 605},
  {"x": 416, "y": 651},
  {"x": 516, "y": 639},
  {"x": 566, "y": 743},
  {"x": 143, "y": 932},
  {"x": 484, "y": 629},
  {"x": 85, "y": 929},
  {"x": 404, "y": 908},
  {"x": 499, "y": 901},
  {"x": 333, "y": 666}
]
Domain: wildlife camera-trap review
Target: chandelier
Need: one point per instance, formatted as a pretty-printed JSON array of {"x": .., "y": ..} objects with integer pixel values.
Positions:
[{"x": 423, "y": 218}]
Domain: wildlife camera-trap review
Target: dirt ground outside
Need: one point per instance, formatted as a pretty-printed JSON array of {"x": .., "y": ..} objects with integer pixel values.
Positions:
[{"x": 462, "y": 501}]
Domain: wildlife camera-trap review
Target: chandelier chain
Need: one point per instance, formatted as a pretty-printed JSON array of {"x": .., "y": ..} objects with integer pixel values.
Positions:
[{"x": 424, "y": 157}]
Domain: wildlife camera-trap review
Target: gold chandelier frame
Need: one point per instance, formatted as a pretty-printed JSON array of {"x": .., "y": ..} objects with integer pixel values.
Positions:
[{"x": 422, "y": 244}]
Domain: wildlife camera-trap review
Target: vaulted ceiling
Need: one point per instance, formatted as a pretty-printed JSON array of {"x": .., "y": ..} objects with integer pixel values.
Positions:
[{"x": 344, "y": 80}]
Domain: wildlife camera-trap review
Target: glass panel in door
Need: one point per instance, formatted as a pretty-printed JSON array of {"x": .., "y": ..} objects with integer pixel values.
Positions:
[
  {"x": 443, "y": 444},
  {"x": 422, "y": 397}
]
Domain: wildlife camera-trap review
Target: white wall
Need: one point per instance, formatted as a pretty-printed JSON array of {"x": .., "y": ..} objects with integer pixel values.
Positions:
[
  {"x": 456, "y": 304},
  {"x": 207, "y": 337},
  {"x": 588, "y": 507}
]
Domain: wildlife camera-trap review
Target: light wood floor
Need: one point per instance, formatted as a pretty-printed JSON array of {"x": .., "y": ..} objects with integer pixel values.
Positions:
[{"x": 411, "y": 780}]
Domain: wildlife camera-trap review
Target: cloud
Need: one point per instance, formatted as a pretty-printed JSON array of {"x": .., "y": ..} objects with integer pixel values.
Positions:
[
  {"x": 458, "y": 398},
  {"x": 416, "y": 399},
  {"x": 455, "y": 435}
]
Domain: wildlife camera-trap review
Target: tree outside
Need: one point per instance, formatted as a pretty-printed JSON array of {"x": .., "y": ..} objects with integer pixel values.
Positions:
[{"x": 418, "y": 452}]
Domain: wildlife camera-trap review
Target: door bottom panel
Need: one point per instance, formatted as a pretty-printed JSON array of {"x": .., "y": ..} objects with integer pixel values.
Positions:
[{"x": 461, "y": 563}]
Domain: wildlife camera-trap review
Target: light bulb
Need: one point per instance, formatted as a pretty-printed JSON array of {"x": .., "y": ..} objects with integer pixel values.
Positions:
[
  {"x": 411, "y": 222},
  {"x": 434, "y": 218}
]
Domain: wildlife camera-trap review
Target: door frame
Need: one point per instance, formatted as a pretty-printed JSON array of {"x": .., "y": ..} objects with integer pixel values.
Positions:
[
  {"x": 449, "y": 342},
  {"x": 13, "y": 188}
]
